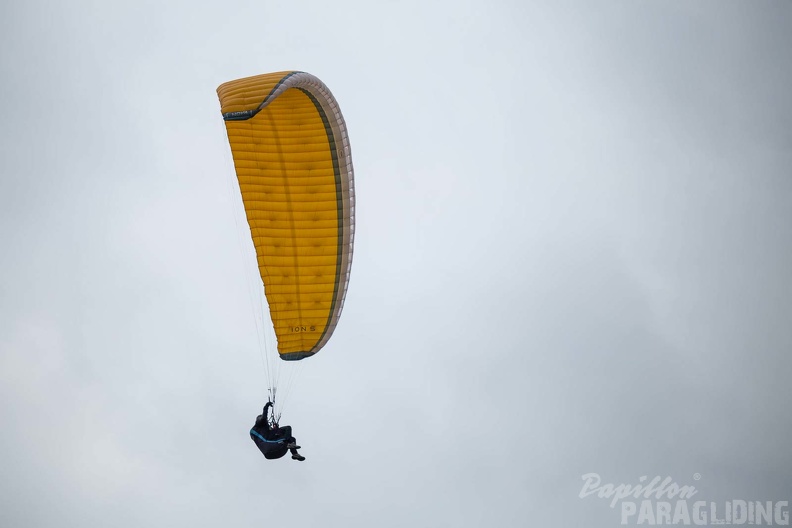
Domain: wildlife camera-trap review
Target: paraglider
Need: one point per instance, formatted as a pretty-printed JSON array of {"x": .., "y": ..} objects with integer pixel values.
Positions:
[
  {"x": 294, "y": 168},
  {"x": 272, "y": 440}
]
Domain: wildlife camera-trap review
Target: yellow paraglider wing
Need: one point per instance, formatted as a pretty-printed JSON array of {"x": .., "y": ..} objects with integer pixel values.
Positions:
[{"x": 293, "y": 162}]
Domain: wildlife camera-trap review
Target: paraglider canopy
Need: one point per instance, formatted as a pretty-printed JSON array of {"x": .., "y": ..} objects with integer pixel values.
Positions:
[{"x": 294, "y": 167}]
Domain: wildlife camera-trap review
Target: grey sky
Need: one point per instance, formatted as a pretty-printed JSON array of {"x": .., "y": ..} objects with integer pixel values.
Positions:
[{"x": 572, "y": 255}]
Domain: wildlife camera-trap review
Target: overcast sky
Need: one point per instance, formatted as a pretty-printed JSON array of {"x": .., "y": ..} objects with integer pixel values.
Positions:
[{"x": 573, "y": 255}]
